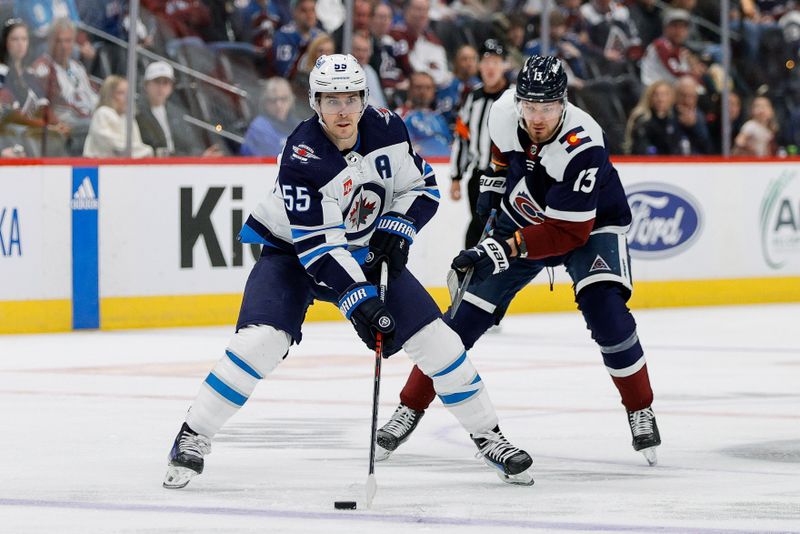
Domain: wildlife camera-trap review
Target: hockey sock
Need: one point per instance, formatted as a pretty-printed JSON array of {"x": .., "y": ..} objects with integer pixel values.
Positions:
[
  {"x": 418, "y": 393},
  {"x": 253, "y": 352},
  {"x": 226, "y": 388},
  {"x": 635, "y": 390},
  {"x": 438, "y": 352}
]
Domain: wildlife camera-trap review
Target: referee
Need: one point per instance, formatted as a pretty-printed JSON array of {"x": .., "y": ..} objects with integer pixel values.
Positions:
[{"x": 472, "y": 152}]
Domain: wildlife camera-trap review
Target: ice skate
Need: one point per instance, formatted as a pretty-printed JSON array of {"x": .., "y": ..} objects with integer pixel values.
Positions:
[
  {"x": 186, "y": 457},
  {"x": 513, "y": 465},
  {"x": 645, "y": 433},
  {"x": 396, "y": 431}
]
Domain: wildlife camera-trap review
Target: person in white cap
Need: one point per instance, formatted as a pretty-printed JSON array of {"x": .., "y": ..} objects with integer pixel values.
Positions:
[{"x": 161, "y": 122}]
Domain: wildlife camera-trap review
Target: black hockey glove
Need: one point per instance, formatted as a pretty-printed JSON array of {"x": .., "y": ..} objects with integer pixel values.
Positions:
[
  {"x": 390, "y": 242},
  {"x": 492, "y": 189},
  {"x": 360, "y": 304},
  {"x": 487, "y": 258}
]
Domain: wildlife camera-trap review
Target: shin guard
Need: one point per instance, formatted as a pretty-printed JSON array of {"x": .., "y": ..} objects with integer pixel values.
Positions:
[{"x": 439, "y": 354}]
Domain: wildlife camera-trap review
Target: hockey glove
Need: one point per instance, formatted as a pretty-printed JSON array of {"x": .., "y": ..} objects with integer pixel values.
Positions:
[
  {"x": 361, "y": 305},
  {"x": 390, "y": 243},
  {"x": 486, "y": 258},
  {"x": 492, "y": 189}
]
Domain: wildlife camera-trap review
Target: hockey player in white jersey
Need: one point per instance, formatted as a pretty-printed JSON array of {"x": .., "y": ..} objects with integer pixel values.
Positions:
[{"x": 351, "y": 194}]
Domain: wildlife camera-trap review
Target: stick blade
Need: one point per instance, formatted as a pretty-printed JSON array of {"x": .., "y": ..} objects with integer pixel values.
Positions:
[
  {"x": 460, "y": 291},
  {"x": 452, "y": 284},
  {"x": 372, "y": 489}
]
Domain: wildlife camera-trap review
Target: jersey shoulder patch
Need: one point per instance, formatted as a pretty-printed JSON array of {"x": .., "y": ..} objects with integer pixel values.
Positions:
[
  {"x": 503, "y": 123},
  {"x": 380, "y": 128},
  {"x": 579, "y": 133},
  {"x": 309, "y": 153}
]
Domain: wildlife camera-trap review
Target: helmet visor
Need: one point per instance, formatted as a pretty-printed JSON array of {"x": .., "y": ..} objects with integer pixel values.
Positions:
[
  {"x": 330, "y": 104},
  {"x": 539, "y": 110}
]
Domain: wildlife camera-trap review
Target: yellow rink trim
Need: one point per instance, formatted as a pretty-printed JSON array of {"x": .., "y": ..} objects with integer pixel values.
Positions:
[
  {"x": 35, "y": 316},
  {"x": 200, "y": 310},
  {"x": 204, "y": 310}
]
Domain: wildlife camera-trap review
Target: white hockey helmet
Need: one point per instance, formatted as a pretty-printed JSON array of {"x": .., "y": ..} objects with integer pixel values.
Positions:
[{"x": 336, "y": 73}]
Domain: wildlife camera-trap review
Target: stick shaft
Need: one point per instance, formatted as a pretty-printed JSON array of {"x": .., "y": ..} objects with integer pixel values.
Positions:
[
  {"x": 376, "y": 388},
  {"x": 462, "y": 289}
]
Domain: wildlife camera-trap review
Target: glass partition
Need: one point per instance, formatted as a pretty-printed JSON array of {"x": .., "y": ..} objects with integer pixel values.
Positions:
[{"x": 230, "y": 78}]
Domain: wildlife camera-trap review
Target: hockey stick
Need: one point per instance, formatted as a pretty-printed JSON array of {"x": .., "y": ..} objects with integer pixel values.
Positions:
[
  {"x": 372, "y": 485},
  {"x": 457, "y": 292}
]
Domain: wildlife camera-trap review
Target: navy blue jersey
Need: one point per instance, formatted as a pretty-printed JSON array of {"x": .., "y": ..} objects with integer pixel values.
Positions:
[
  {"x": 326, "y": 204},
  {"x": 569, "y": 178}
]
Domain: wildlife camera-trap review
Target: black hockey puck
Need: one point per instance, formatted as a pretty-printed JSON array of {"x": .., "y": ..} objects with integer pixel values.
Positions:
[{"x": 345, "y": 505}]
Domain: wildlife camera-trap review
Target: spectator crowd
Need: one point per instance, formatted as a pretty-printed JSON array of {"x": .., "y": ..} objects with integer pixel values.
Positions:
[{"x": 233, "y": 74}]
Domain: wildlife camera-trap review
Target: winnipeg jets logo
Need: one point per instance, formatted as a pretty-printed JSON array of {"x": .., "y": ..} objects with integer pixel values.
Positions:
[
  {"x": 303, "y": 153},
  {"x": 363, "y": 210},
  {"x": 360, "y": 212}
]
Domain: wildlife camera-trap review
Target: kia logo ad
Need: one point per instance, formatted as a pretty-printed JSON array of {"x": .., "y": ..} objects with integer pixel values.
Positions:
[{"x": 666, "y": 220}]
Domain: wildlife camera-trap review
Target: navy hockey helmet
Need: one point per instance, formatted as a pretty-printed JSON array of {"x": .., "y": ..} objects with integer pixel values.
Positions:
[
  {"x": 542, "y": 79},
  {"x": 492, "y": 47}
]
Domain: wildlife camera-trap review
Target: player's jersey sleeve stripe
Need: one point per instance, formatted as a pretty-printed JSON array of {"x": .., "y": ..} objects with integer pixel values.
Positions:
[
  {"x": 309, "y": 257},
  {"x": 337, "y": 269},
  {"x": 571, "y": 216},
  {"x": 431, "y": 191},
  {"x": 312, "y": 242},
  {"x": 300, "y": 234}
]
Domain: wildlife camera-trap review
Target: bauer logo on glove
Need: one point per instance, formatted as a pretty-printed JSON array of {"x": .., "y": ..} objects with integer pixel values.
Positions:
[{"x": 486, "y": 258}]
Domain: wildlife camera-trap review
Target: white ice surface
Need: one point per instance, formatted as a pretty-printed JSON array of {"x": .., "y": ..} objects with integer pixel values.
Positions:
[{"x": 88, "y": 418}]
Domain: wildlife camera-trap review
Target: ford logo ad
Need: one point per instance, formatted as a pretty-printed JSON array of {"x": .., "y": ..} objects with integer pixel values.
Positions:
[{"x": 666, "y": 220}]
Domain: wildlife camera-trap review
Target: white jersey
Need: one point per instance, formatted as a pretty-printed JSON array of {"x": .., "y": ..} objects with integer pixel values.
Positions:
[{"x": 326, "y": 204}]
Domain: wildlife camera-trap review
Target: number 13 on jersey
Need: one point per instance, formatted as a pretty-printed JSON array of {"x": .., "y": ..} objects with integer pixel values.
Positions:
[{"x": 585, "y": 180}]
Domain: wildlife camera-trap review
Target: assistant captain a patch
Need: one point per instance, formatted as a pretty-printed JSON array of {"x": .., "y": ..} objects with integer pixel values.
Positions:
[{"x": 574, "y": 138}]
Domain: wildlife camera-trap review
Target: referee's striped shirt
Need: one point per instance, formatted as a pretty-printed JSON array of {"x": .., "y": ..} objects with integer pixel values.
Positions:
[{"x": 472, "y": 149}]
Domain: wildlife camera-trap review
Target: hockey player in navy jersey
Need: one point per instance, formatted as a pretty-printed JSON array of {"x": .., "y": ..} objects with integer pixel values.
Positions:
[
  {"x": 560, "y": 202},
  {"x": 351, "y": 194}
]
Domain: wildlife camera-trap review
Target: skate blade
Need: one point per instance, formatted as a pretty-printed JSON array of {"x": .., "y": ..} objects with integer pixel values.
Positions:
[
  {"x": 650, "y": 455},
  {"x": 520, "y": 479},
  {"x": 177, "y": 477},
  {"x": 381, "y": 454}
]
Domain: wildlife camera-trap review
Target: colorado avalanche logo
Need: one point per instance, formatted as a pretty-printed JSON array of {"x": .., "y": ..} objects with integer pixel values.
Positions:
[
  {"x": 528, "y": 208},
  {"x": 363, "y": 212}
]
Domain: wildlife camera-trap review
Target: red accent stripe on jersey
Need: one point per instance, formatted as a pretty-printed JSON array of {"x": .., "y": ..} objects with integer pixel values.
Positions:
[{"x": 555, "y": 237}]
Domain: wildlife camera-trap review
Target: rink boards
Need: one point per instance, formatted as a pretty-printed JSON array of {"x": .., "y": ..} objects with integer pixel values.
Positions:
[{"x": 143, "y": 244}]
